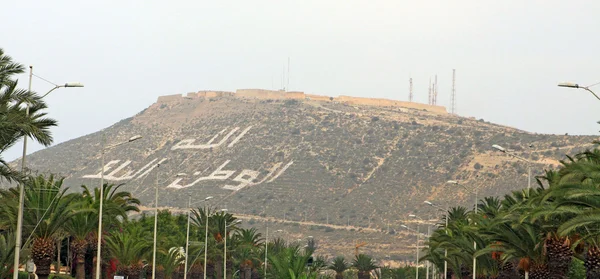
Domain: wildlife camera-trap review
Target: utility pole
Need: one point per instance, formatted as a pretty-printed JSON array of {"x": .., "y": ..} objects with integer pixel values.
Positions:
[
  {"x": 429, "y": 93},
  {"x": 453, "y": 98},
  {"x": 410, "y": 90},
  {"x": 435, "y": 91}
]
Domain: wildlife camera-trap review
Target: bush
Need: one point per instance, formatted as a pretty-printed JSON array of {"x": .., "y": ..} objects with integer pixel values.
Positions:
[
  {"x": 478, "y": 166},
  {"x": 291, "y": 102}
]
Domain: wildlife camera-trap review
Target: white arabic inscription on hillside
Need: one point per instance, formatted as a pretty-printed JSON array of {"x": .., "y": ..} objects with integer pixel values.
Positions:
[{"x": 244, "y": 178}]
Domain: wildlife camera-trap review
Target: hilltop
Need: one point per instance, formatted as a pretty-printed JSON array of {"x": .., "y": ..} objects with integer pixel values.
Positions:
[{"x": 342, "y": 168}]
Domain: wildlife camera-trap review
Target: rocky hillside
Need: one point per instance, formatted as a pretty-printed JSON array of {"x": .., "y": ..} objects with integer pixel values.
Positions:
[{"x": 341, "y": 172}]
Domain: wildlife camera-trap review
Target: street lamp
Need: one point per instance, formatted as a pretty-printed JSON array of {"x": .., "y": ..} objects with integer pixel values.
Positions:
[
  {"x": 575, "y": 85},
  {"x": 205, "y": 239},
  {"x": 104, "y": 149},
  {"x": 417, "y": 231},
  {"x": 187, "y": 236},
  {"x": 511, "y": 154},
  {"x": 156, "y": 221},
  {"x": 19, "y": 231},
  {"x": 474, "y": 190},
  {"x": 445, "y": 250},
  {"x": 225, "y": 243}
]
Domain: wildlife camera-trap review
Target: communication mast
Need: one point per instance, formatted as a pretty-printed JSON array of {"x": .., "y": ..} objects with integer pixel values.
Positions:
[
  {"x": 435, "y": 91},
  {"x": 410, "y": 90},
  {"x": 429, "y": 98},
  {"x": 453, "y": 97}
]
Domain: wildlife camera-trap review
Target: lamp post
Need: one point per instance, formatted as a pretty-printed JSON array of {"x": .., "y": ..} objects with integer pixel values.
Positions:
[
  {"x": 427, "y": 266},
  {"x": 19, "y": 231},
  {"x": 156, "y": 221},
  {"x": 267, "y": 247},
  {"x": 511, "y": 154},
  {"x": 187, "y": 237},
  {"x": 104, "y": 149},
  {"x": 474, "y": 190},
  {"x": 575, "y": 85},
  {"x": 225, "y": 244},
  {"x": 205, "y": 240},
  {"x": 417, "y": 260},
  {"x": 445, "y": 250},
  {"x": 155, "y": 224}
]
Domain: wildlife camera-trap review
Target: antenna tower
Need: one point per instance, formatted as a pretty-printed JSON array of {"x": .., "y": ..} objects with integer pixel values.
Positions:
[
  {"x": 435, "y": 91},
  {"x": 429, "y": 98},
  {"x": 453, "y": 98},
  {"x": 288, "y": 75},
  {"x": 410, "y": 90}
]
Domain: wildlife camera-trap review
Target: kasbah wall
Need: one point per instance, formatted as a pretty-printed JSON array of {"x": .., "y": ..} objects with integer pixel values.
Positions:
[{"x": 280, "y": 94}]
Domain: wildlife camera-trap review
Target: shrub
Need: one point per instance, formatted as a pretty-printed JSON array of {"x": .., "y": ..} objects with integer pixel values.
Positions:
[{"x": 291, "y": 102}]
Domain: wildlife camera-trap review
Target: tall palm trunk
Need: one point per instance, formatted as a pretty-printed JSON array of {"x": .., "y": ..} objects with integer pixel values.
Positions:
[
  {"x": 592, "y": 263},
  {"x": 131, "y": 271},
  {"x": 539, "y": 271},
  {"x": 508, "y": 271},
  {"x": 79, "y": 248},
  {"x": 364, "y": 275},
  {"x": 42, "y": 251},
  {"x": 559, "y": 256},
  {"x": 246, "y": 270}
]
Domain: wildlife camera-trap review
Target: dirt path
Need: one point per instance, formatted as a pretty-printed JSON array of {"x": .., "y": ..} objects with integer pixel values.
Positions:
[{"x": 272, "y": 219}]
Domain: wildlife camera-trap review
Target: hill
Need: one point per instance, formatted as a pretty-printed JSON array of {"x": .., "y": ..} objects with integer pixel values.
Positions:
[{"x": 342, "y": 169}]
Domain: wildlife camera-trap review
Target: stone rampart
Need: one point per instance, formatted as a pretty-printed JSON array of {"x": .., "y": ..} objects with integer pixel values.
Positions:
[
  {"x": 318, "y": 97},
  {"x": 388, "y": 103},
  {"x": 264, "y": 94},
  {"x": 169, "y": 98}
]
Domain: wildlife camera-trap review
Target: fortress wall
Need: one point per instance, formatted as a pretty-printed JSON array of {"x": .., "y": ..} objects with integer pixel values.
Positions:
[
  {"x": 272, "y": 94},
  {"x": 318, "y": 97},
  {"x": 388, "y": 103},
  {"x": 295, "y": 95},
  {"x": 260, "y": 94},
  {"x": 169, "y": 98}
]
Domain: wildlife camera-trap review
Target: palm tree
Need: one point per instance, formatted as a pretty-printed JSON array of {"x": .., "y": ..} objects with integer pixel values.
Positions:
[
  {"x": 339, "y": 265},
  {"x": 247, "y": 245},
  {"x": 48, "y": 209},
  {"x": 130, "y": 247},
  {"x": 15, "y": 123},
  {"x": 364, "y": 264},
  {"x": 289, "y": 263},
  {"x": 80, "y": 227},
  {"x": 8, "y": 67},
  {"x": 116, "y": 205},
  {"x": 7, "y": 253}
]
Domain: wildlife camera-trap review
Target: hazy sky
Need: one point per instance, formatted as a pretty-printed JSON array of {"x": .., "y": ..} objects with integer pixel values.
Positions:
[{"x": 509, "y": 55}]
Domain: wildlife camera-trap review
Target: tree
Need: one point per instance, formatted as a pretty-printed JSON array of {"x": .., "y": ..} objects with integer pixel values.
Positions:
[
  {"x": 364, "y": 264},
  {"x": 80, "y": 226},
  {"x": 130, "y": 247},
  {"x": 7, "y": 254},
  {"x": 48, "y": 208},
  {"x": 339, "y": 265},
  {"x": 247, "y": 245},
  {"x": 14, "y": 121},
  {"x": 290, "y": 262}
]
